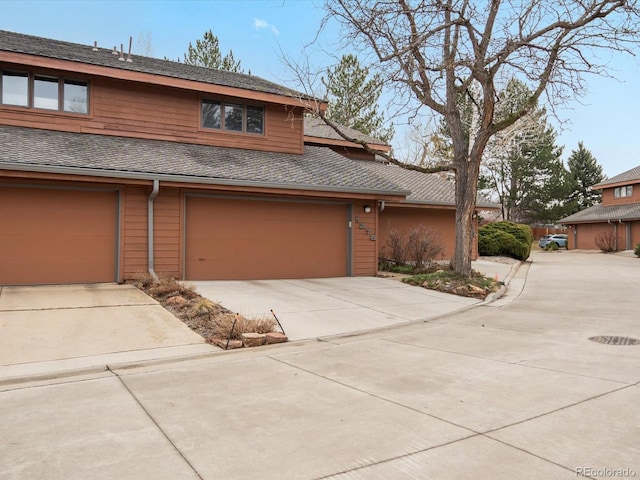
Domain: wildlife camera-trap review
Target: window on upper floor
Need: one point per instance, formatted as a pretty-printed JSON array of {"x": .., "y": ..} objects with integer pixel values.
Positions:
[
  {"x": 232, "y": 117},
  {"x": 626, "y": 191},
  {"x": 24, "y": 89}
]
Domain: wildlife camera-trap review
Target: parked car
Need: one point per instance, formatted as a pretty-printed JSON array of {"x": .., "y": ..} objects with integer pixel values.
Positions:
[{"x": 559, "y": 238}]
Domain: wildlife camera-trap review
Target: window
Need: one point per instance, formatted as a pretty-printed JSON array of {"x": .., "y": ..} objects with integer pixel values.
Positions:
[
  {"x": 233, "y": 117},
  {"x": 44, "y": 92},
  {"x": 211, "y": 114},
  {"x": 255, "y": 119},
  {"x": 76, "y": 95},
  {"x": 626, "y": 191},
  {"x": 15, "y": 89}
]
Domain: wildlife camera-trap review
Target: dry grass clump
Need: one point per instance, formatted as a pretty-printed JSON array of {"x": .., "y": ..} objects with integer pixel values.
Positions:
[
  {"x": 223, "y": 324},
  {"x": 203, "y": 316},
  {"x": 164, "y": 288}
]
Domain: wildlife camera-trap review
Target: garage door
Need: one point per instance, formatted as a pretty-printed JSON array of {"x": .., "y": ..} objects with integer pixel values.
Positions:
[
  {"x": 243, "y": 239},
  {"x": 51, "y": 235}
]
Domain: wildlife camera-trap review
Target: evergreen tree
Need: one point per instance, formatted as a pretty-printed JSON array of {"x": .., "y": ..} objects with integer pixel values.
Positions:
[
  {"x": 584, "y": 173},
  {"x": 207, "y": 53},
  {"x": 522, "y": 164},
  {"x": 353, "y": 98}
]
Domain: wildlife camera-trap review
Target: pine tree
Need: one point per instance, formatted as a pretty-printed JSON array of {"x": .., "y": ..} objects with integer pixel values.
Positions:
[
  {"x": 207, "y": 53},
  {"x": 353, "y": 98},
  {"x": 522, "y": 163},
  {"x": 584, "y": 173}
]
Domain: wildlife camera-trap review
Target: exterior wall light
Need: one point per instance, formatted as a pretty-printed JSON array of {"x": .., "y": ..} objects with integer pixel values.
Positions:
[{"x": 367, "y": 209}]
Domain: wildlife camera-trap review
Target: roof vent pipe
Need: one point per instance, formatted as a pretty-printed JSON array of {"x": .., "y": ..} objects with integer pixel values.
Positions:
[
  {"x": 129, "y": 54},
  {"x": 115, "y": 50},
  {"x": 121, "y": 57},
  {"x": 150, "y": 223},
  {"x": 95, "y": 46}
]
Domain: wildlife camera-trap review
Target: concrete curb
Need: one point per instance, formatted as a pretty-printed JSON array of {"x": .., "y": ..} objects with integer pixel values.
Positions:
[
  {"x": 505, "y": 285},
  {"x": 63, "y": 373}
]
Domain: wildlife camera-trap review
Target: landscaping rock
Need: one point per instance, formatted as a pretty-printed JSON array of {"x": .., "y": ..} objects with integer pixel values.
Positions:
[
  {"x": 176, "y": 300},
  {"x": 275, "y": 337},
  {"x": 222, "y": 343},
  {"x": 253, "y": 339}
]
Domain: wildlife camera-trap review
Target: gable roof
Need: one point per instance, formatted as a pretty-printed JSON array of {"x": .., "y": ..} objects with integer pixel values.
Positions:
[
  {"x": 630, "y": 176},
  {"x": 317, "y": 128},
  {"x": 600, "y": 214},
  {"x": 56, "y": 49},
  {"x": 319, "y": 168}
]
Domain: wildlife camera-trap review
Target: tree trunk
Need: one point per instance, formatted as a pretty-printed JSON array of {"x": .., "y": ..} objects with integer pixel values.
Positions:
[{"x": 467, "y": 173}]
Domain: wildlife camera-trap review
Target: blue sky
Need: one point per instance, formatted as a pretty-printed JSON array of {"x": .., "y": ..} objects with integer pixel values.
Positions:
[{"x": 606, "y": 120}]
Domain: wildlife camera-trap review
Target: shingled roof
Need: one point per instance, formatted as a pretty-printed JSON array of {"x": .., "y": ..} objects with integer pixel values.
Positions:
[
  {"x": 630, "y": 176},
  {"x": 424, "y": 188},
  {"x": 315, "y": 127},
  {"x": 319, "y": 168},
  {"x": 44, "y": 47},
  {"x": 600, "y": 213}
]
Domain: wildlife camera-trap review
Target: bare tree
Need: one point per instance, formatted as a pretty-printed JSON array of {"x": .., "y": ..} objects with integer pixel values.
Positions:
[{"x": 436, "y": 52}]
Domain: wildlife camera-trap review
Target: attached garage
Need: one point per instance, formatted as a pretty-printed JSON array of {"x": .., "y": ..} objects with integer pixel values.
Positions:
[
  {"x": 251, "y": 239},
  {"x": 54, "y": 235}
]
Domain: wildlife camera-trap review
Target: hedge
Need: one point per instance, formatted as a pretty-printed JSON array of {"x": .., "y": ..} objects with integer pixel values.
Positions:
[{"x": 505, "y": 239}]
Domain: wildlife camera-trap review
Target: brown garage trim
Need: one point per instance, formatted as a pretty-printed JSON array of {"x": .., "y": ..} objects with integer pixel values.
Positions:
[
  {"x": 117, "y": 191},
  {"x": 256, "y": 198}
]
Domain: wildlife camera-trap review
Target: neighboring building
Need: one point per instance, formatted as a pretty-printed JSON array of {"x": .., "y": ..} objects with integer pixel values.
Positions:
[
  {"x": 618, "y": 215},
  {"x": 114, "y": 165}
]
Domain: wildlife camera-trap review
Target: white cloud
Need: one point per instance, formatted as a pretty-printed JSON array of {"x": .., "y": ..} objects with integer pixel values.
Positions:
[{"x": 259, "y": 24}]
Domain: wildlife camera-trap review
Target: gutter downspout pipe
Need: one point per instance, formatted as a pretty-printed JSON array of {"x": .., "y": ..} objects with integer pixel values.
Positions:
[{"x": 150, "y": 240}]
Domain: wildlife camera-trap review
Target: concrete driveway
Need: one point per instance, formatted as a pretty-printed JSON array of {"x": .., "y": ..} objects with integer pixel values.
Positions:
[
  {"x": 45, "y": 329},
  {"x": 513, "y": 389},
  {"x": 49, "y": 330}
]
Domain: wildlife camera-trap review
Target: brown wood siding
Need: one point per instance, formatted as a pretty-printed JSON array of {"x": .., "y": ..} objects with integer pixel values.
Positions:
[
  {"x": 233, "y": 239},
  {"x": 403, "y": 219},
  {"x": 608, "y": 196},
  {"x": 365, "y": 250},
  {"x": 167, "y": 238},
  {"x": 55, "y": 235},
  {"x": 635, "y": 234},
  {"x": 353, "y": 153},
  {"x": 162, "y": 113},
  {"x": 587, "y": 234},
  {"x": 134, "y": 248}
]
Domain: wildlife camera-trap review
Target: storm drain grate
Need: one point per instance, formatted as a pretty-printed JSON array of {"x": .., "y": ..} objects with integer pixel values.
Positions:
[{"x": 613, "y": 340}]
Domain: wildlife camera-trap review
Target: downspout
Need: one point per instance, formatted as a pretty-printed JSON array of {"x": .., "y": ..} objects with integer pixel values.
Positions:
[
  {"x": 150, "y": 249},
  {"x": 627, "y": 234},
  {"x": 381, "y": 206}
]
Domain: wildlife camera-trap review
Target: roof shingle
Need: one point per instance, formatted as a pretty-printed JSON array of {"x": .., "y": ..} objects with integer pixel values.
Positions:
[
  {"x": 44, "y": 47},
  {"x": 630, "y": 176},
  {"x": 319, "y": 168},
  {"x": 600, "y": 213}
]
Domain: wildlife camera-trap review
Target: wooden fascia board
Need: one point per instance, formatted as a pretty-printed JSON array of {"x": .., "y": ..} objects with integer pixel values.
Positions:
[
  {"x": 342, "y": 143},
  {"x": 609, "y": 186},
  {"x": 152, "y": 79}
]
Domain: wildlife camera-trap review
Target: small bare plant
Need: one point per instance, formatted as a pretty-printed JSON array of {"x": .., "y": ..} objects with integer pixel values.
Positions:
[
  {"x": 606, "y": 241},
  {"x": 396, "y": 248},
  {"x": 423, "y": 246},
  {"x": 202, "y": 306}
]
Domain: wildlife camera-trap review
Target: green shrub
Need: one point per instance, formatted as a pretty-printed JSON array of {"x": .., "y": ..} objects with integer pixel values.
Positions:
[
  {"x": 551, "y": 246},
  {"x": 637, "y": 250},
  {"x": 505, "y": 238}
]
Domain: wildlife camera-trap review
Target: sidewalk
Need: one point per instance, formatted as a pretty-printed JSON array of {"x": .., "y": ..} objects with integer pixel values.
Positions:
[
  {"x": 68, "y": 330},
  {"x": 517, "y": 390}
]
